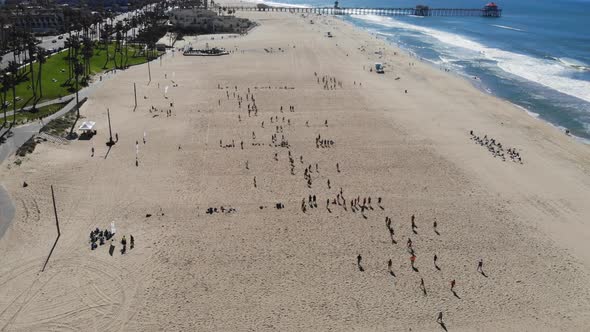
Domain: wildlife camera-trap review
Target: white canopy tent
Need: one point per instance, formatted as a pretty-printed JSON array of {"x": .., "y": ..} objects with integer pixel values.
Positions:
[{"x": 87, "y": 125}]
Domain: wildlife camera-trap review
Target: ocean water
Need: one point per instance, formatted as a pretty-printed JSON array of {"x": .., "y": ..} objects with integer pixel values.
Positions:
[{"x": 537, "y": 55}]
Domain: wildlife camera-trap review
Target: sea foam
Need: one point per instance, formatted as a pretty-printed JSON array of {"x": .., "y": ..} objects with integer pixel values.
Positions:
[{"x": 547, "y": 72}]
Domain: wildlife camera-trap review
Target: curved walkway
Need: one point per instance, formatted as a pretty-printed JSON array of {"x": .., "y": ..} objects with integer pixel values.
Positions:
[{"x": 6, "y": 210}]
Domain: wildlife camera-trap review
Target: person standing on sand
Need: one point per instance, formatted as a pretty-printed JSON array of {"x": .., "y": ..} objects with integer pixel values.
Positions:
[
  {"x": 453, "y": 285},
  {"x": 358, "y": 262},
  {"x": 439, "y": 319},
  {"x": 92, "y": 150},
  {"x": 480, "y": 266}
]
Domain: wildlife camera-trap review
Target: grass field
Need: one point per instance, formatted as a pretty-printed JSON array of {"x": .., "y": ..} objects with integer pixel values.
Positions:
[
  {"x": 24, "y": 117},
  {"x": 55, "y": 74}
]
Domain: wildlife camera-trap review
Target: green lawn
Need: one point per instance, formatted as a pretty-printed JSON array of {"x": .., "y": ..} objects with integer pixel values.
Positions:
[
  {"x": 55, "y": 74},
  {"x": 25, "y": 116}
]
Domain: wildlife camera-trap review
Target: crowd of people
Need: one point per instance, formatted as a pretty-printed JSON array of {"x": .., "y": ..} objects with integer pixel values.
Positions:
[
  {"x": 365, "y": 206},
  {"x": 496, "y": 148}
]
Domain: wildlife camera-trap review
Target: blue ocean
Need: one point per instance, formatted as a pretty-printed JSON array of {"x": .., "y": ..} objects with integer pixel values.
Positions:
[{"x": 537, "y": 55}]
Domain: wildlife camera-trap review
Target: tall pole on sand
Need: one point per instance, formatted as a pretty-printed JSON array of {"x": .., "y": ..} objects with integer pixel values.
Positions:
[
  {"x": 149, "y": 71},
  {"x": 58, "y": 232},
  {"x": 135, "y": 94},
  {"x": 110, "y": 142}
]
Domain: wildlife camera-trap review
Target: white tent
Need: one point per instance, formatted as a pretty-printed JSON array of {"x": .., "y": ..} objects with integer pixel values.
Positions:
[{"x": 87, "y": 125}]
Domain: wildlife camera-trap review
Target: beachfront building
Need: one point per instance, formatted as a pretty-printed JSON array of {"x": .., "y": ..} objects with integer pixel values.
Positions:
[
  {"x": 199, "y": 20},
  {"x": 189, "y": 17},
  {"x": 40, "y": 20}
]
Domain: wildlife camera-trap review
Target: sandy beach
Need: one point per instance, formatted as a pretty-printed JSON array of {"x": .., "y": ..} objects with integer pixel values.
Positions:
[{"x": 323, "y": 125}]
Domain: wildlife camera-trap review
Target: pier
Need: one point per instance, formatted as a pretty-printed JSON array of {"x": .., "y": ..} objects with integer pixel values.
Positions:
[{"x": 490, "y": 10}]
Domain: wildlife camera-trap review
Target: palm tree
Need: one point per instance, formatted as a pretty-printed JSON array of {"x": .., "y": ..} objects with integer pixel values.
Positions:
[
  {"x": 87, "y": 53},
  {"x": 12, "y": 69},
  {"x": 68, "y": 45},
  {"x": 126, "y": 28},
  {"x": 32, "y": 49},
  {"x": 106, "y": 34},
  {"x": 78, "y": 70},
  {"x": 40, "y": 60},
  {"x": 117, "y": 42},
  {"x": 5, "y": 84}
]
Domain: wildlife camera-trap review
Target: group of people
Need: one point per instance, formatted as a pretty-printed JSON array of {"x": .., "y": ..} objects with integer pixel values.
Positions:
[
  {"x": 496, "y": 148},
  {"x": 222, "y": 209},
  {"x": 328, "y": 82},
  {"x": 323, "y": 143},
  {"x": 230, "y": 145},
  {"x": 283, "y": 143},
  {"x": 311, "y": 202},
  {"x": 413, "y": 259},
  {"x": 100, "y": 237}
]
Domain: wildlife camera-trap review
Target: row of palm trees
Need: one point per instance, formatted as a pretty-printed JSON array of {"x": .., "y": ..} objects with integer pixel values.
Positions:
[
  {"x": 87, "y": 34},
  {"x": 22, "y": 45}
]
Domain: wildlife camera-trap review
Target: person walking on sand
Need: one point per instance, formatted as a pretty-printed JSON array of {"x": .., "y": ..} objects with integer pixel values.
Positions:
[
  {"x": 92, "y": 152},
  {"x": 453, "y": 285},
  {"x": 480, "y": 266},
  {"x": 422, "y": 286},
  {"x": 439, "y": 319}
]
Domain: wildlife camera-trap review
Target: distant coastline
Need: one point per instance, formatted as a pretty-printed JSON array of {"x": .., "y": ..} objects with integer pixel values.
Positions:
[{"x": 540, "y": 85}]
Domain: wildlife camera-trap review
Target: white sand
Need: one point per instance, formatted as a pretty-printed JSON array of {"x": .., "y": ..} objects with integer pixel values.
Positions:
[{"x": 284, "y": 269}]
